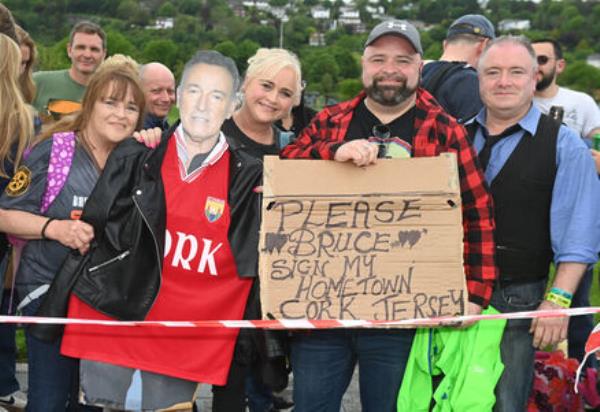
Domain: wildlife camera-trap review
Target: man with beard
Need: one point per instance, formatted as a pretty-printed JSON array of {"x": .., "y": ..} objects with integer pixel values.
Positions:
[
  {"x": 580, "y": 112},
  {"x": 391, "y": 105}
]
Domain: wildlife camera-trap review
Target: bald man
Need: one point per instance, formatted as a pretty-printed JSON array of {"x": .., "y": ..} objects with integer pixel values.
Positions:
[{"x": 158, "y": 83}]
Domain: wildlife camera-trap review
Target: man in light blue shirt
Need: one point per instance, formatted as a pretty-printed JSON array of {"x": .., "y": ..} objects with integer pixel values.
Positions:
[{"x": 546, "y": 193}]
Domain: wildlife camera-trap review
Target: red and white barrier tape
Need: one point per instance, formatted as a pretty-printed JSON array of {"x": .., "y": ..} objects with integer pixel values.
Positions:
[{"x": 303, "y": 323}]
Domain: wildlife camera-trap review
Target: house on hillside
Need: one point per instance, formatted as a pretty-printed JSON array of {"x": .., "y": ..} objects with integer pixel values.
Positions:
[
  {"x": 260, "y": 5},
  {"x": 350, "y": 17},
  {"x": 514, "y": 25},
  {"x": 320, "y": 13},
  {"x": 594, "y": 60},
  {"x": 316, "y": 39},
  {"x": 162, "y": 23}
]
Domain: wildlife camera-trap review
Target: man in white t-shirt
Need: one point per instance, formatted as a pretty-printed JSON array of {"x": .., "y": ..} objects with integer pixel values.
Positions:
[{"x": 581, "y": 113}]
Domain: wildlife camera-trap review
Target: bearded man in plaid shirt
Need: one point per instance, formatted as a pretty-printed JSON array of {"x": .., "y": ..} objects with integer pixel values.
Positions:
[{"x": 410, "y": 122}]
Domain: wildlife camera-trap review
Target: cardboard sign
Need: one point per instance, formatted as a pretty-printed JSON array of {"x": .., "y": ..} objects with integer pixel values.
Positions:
[{"x": 383, "y": 242}]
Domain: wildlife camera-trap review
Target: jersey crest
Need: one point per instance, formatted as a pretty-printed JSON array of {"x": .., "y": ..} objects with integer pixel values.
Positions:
[{"x": 213, "y": 209}]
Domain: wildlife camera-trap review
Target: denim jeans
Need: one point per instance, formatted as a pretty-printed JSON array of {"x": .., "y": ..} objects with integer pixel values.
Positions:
[
  {"x": 516, "y": 348},
  {"x": 258, "y": 397},
  {"x": 51, "y": 376},
  {"x": 580, "y": 327},
  {"x": 8, "y": 350},
  {"x": 323, "y": 363}
]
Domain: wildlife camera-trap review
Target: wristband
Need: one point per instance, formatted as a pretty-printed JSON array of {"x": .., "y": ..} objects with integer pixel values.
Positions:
[
  {"x": 561, "y": 292},
  {"x": 46, "y": 227},
  {"x": 558, "y": 299}
]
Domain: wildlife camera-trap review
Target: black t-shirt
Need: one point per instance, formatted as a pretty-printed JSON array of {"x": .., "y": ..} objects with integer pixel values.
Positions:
[
  {"x": 251, "y": 147},
  {"x": 401, "y": 128}
]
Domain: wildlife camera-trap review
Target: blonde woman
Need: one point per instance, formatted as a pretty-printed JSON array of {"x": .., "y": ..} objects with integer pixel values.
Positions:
[
  {"x": 272, "y": 86},
  {"x": 16, "y": 130}
]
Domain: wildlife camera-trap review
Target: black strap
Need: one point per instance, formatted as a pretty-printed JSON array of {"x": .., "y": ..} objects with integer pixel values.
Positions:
[{"x": 444, "y": 72}]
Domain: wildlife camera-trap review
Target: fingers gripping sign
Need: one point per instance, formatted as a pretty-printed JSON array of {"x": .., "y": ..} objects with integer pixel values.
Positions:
[{"x": 361, "y": 152}]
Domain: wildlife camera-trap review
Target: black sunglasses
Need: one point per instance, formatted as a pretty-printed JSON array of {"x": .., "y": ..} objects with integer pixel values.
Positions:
[
  {"x": 543, "y": 59},
  {"x": 381, "y": 132}
]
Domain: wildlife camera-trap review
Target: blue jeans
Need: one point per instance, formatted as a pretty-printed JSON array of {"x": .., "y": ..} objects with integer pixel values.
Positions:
[
  {"x": 8, "y": 350},
  {"x": 323, "y": 363},
  {"x": 516, "y": 348},
  {"x": 259, "y": 398},
  {"x": 51, "y": 376},
  {"x": 580, "y": 327}
]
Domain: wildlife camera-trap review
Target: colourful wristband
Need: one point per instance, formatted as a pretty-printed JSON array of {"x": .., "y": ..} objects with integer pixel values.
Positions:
[
  {"x": 558, "y": 299},
  {"x": 561, "y": 292}
]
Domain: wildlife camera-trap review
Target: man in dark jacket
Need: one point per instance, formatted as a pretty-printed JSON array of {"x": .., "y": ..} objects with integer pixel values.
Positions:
[
  {"x": 176, "y": 233},
  {"x": 452, "y": 79}
]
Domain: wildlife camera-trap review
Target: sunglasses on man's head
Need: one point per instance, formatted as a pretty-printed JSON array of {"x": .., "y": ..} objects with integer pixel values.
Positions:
[{"x": 541, "y": 59}]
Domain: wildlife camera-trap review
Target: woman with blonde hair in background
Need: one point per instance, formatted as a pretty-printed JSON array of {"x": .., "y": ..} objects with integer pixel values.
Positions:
[
  {"x": 28, "y": 59},
  {"x": 16, "y": 132},
  {"x": 271, "y": 87},
  {"x": 72, "y": 155}
]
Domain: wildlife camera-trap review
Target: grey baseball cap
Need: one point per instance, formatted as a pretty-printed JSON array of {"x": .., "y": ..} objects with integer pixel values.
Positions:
[
  {"x": 472, "y": 24},
  {"x": 400, "y": 28}
]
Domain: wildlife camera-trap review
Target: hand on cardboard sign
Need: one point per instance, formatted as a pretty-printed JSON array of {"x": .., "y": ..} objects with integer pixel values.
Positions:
[
  {"x": 472, "y": 309},
  {"x": 548, "y": 331},
  {"x": 360, "y": 151},
  {"x": 149, "y": 137}
]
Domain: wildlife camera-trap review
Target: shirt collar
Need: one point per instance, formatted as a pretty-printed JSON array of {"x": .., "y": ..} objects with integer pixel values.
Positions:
[
  {"x": 529, "y": 122},
  {"x": 184, "y": 157}
]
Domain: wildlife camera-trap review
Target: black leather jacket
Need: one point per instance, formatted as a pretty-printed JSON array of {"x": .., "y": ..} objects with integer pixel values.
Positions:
[{"x": 121, "y": 275}]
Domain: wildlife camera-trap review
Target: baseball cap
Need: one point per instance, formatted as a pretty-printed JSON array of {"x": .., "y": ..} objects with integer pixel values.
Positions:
[
  {"x": 400, "y": 28},
  {"x": 472, "y": 24}
]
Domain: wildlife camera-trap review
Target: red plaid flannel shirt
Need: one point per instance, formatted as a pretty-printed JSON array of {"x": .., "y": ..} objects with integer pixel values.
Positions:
[{"x": 436, "y": 132}]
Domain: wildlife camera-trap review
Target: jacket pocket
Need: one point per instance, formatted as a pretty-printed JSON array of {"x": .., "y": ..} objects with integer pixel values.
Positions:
[{"x": 109, "y": 262}]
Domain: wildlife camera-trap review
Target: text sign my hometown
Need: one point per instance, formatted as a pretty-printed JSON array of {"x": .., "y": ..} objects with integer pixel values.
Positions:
[{"x": 377, "y": 243}]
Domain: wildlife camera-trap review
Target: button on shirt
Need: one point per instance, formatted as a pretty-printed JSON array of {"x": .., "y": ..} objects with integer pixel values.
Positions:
[{"x": 575, "y": 211}]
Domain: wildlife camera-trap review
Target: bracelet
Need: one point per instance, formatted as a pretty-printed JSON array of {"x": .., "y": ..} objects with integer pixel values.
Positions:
[
  {"x": 558, "y": 299},
  {"x": 561, "y": 292},
  {"x": 46, "y": 227}
]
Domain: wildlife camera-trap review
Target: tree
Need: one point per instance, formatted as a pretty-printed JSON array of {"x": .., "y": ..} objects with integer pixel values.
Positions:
[
  {"x": 127, "y": 9},
  {"x": 167, "y": 10},
  {"x": 227, "y": 48},
  {"x": 348, "y": 88},
  {"x": 54, "y": 57},
  {"x": 246, "y": 49},
  {"x": 164, "y": 51},
  {"x": 263, "y": 35},
  {"x": 581, "y": 76},
  {"x": 118, "y": 43}
]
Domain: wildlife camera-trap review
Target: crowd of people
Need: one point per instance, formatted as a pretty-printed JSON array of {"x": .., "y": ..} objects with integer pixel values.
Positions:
[{"x": 109, "y": 210}]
